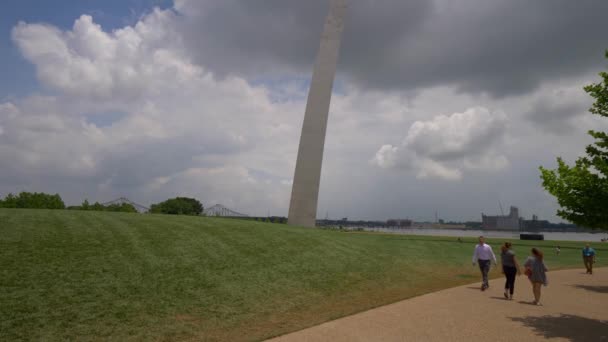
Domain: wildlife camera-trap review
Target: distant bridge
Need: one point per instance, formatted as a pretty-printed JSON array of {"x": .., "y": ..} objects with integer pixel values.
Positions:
[
  {"x": 140, "y": 208},
  {"x": 220, "y": 210}
]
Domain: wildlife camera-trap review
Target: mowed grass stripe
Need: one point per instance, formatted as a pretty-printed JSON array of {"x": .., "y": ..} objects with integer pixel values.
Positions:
[{"x": 72, "y": 275}]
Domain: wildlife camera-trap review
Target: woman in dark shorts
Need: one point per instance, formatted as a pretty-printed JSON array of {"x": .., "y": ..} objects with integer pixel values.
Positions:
[{"x": 510, "y": 268}]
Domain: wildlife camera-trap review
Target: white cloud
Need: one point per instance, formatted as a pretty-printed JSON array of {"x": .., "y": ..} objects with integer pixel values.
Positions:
[
  {"x": 432, "y": 169},
  {"x": 386, "y": 157},
  {"x": 443, "y": 146},
  {"x": 87, "y": 61}
]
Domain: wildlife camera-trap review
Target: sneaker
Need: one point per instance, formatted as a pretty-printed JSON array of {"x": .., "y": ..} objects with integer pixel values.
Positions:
[
  {"x": 511, "y": 297},
  {"x": 506, "y": 295},
  {"x": 538, "y": 304}
]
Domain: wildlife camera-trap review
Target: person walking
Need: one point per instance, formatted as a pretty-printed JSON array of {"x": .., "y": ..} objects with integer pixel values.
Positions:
[
  {"x": 589, "y": 258},
  {"x": 483, "y": 255},
  {"x": 536, "y": 272},
  {"x": 558, "y": 250},
  {"x": 510, "y": 268}
]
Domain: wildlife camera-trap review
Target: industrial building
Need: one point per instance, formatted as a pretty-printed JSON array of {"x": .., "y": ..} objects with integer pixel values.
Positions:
[{"x": 508, "y": 222}]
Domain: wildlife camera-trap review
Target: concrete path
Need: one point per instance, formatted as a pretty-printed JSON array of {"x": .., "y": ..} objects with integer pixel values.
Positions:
[{"x": 575, "y": 308}]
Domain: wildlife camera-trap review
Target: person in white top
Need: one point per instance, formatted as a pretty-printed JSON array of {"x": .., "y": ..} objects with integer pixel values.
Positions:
[{"x": 483, "y": 255}]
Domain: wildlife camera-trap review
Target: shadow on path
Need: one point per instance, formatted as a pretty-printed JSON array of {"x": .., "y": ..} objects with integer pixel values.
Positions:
[
  {"x": 599, "y": 289},
  {"x": 527, "y": 303},
  {"x": 574, "y": 328}
]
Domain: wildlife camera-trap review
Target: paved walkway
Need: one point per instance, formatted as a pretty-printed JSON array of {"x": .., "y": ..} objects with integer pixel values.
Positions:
[{"x": 575, "y": 308}]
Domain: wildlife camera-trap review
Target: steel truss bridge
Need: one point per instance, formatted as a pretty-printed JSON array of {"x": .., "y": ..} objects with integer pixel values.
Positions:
[
  {"x": 220, "y": 210},
  {"x": 140, "y": 208}
]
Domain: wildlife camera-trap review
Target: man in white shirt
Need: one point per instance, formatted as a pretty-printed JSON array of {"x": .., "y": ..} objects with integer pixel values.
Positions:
[{"x": 483, "y": 255}]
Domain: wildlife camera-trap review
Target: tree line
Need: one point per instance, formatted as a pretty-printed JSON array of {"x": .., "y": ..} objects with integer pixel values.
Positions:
[
  {"x": 32, "y": 200},
  {"x": 123, "y": 207},
  {"x": 41, "y": 200}
]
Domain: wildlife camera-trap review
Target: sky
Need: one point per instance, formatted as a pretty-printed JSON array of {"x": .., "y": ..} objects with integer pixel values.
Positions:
[{"x": 438, "y": 106}]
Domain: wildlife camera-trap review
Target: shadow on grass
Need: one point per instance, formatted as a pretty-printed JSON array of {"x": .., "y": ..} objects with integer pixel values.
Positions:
[
  {"x": 599, "y": 289},
  {"x": 573, "y": 328}
]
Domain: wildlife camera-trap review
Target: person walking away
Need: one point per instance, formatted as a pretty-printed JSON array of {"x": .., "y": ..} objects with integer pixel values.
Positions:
[
  {"x": 557, "y": 250},
  {"x": 537, "y": 273},
  {"x": 510, "y": 268},
  {"x": 589, "y": 258},
  {"x": 483, "y": 255}
]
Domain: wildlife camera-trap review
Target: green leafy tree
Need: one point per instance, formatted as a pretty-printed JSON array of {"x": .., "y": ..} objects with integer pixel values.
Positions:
[
  {"x": 178, "y": 206},
  {"x": 582, "y": 189},
  {"x": 35, "y": 200},
  {"x": 97, "y": 207},
  {"x": 10, "y": 201}
]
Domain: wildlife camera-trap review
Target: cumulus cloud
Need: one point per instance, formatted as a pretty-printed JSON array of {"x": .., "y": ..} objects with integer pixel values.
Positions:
[
  {"x": 443, "y": 146},
  {"x": 387, "y": 156},
  {"x": 123, "y": 64}
]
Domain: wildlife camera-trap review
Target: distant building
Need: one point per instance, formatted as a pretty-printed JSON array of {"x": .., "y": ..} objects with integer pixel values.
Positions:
[
  {"x": 509, "y": 222},
  {"x": 399, "y": 223},
  {"x": 534, "y": 224}
]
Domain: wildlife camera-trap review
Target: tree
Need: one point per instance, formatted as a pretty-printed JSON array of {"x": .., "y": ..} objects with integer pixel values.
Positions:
[
  {"x": 97, "y": 207},
  {"x": 10, "y": 201},
  {"x": 178, "y": 206},
  {"x": 35, "y": 200},
  {"x": 582, "y": 189}
]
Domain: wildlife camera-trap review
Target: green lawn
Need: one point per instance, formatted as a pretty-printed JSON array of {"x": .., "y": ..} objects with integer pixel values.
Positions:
[{"x": 76, "y": 275}]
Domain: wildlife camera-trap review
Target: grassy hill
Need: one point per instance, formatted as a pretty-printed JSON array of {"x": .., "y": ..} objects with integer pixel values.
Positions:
[{"x": 94, "y": 275}]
